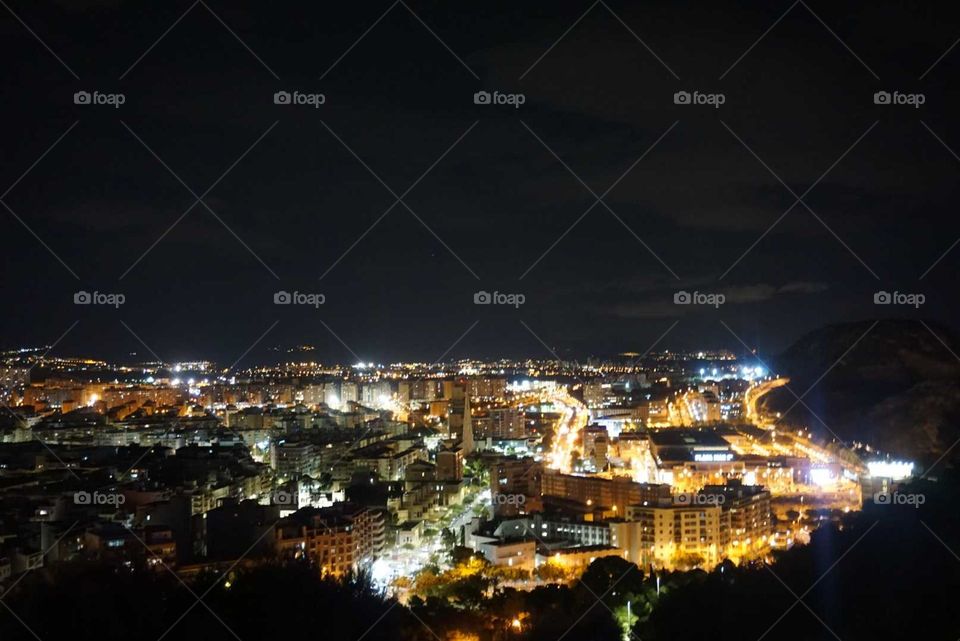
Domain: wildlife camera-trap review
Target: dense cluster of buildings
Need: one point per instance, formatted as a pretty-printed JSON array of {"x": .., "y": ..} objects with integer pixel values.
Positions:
[
  {"x": 192, "y": 472},
  {"x": 549, "y": 516},
  {"x": 341, "y": 467}
]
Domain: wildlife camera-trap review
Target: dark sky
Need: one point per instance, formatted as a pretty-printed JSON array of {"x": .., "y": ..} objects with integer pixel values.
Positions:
[{"x": 801, "y": 99}]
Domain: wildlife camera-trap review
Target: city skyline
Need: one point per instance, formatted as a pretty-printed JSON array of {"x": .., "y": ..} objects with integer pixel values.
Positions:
[
  {"x": 414, "y": 320},
  {"x": 403, "y": 194}
]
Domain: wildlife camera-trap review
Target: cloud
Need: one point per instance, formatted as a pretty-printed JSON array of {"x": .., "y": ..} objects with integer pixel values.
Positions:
[
  {"x": 803, "y": 287},
  {"x": 656, "y": 299}
]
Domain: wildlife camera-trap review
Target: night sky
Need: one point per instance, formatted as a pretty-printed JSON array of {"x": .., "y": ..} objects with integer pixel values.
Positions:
[{"x": 299, "y": 198}]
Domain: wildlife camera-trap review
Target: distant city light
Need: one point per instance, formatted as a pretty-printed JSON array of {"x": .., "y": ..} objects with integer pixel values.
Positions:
[
  {"x": 822, "y": 476},
  {"x": 893, "y": 470}
]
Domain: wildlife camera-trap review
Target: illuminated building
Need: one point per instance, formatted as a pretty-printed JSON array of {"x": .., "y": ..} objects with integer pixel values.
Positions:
[
  {"x": 450, "y": 463},
  {"x": 340, "y": 539},
  {"x": 293, "y": 460},
  {"x": 459, "y": 420},
  {"x": 516, "y": 477},
  {"x": 577, "y": 558},
  {"x": 417, "y": 390},
  {"x": 571, "y": 532},
  {"x": 697, "y": 530},
  {"x": 511, "y": 553},
  {"x": 601, "y": 495},
  {"x": 389, "y": 459},
  {"x": 595, "y": 393}
]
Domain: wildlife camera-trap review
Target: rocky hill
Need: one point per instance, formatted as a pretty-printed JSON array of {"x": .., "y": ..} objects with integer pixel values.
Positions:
[{"x": 893, "y": 383}]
